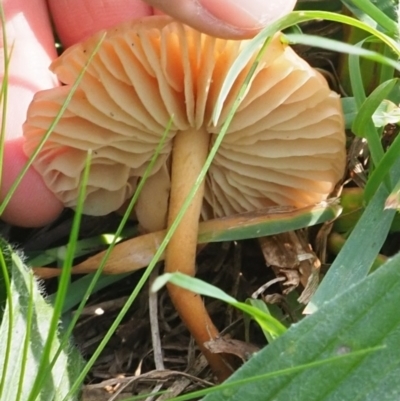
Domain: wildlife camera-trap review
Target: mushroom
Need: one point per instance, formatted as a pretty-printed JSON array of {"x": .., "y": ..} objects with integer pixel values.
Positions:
[{"x": 285, "y": 145}]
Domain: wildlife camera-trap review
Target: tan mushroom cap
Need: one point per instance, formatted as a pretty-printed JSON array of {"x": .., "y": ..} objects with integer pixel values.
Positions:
[{"x": 285, "y": 145}]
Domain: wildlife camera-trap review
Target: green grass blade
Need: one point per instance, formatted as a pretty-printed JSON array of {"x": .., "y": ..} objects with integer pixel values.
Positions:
[
  {"x": 370, "y": 105},
  {"x": 382, "y": 169},
  {"x": 138, "y": 252},
  {"x": 372, "y": 14},
  {"x": 64, "y": 106},
  {"x": 293, "y": 18},
  {"x": 271, "y": 221},
  {"x": 363, "y": 125},
  {"x": 357, "y": 84},
  {"x": 97, "y": 275},
  {"x": 5, "y": 263},
  {"x": 349, "y": 110},
  {"x": 386, "y": 72},
  {"x": 262, "y": 306},
  {"x": 267, "y": 322},
  {"x": 360, "y": 250},
  {"x": 175, "y": 224},
  {"x": 4, "y": 88},
  {"x": 27, "y": 341},
  {"x": 79, "y": 288},
  {"x": 341, "y": 47},
  {"x": 83, "y": 247},
  {"x": 48, "y": 360}
]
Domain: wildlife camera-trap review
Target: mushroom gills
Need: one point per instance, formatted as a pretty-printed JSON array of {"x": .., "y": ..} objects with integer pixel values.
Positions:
[{"x": 284, "y": 146}]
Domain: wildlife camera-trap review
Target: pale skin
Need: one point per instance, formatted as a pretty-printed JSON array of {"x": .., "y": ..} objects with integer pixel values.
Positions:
[{"x": 29, "y": 30}]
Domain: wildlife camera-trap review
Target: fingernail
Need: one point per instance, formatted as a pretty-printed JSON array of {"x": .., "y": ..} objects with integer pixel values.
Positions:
[{"x": 248, "y": 14}]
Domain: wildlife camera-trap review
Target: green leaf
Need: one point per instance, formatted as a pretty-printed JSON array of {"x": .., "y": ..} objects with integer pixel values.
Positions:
[
  {"x": 350, "y": 110},
  {"x": 371, "y": 104},
  {"x": 382, "y": 169},
  {"x": 382, "y": 13},
  {"x": 386, "y": 113},
  {"x": 348, "y": 325},
  {"x": 364, "y": 119},
  {"x": 23, "y": 334},
  {"x": 341, "y": 47},
  {"x": 270, "y": 221},
  {"x": 262, "y": 306},
  {"x": 79, "y": 288},
  {"x": 265, "y": 320},
  {"x": 5, "y": 262},
  {"x": 289, "y": 20},
  {"x": 366, "y": 240}
]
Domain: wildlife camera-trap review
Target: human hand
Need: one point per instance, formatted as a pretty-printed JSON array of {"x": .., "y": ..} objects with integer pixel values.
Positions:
[
  {"x": 230, "y": 19},
  {"x": 29, "y": 32}
]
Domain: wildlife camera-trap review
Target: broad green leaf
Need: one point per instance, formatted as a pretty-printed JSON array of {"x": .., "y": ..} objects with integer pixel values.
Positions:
[
  {"x": 23, "y": 334},
  {"x": 364, "y": 318}
]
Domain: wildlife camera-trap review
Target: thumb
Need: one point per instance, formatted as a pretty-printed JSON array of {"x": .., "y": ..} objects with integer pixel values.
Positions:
[{"x": 231, "y": 19}]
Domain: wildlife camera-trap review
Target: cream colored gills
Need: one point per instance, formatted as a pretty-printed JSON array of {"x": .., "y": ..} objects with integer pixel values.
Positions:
[{"x": 284, "y": 146}]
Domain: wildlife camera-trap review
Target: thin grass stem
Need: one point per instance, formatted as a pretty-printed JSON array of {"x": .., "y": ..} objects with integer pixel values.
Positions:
[
  {"x": 10, "y": 317},
  {"x": 4, "y": 90},
  {"x": 64, "y": 106},
  {"x": 139, "y": 286},
  {"x": 27, "y": 340},
  {"x": 44, "y": 366}
]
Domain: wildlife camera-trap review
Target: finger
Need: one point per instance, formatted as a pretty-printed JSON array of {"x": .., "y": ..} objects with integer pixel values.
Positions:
[
  {"x": 78, "y": 19},
  {"x": 30, "y": 36},
  {"x": 233, "y": 19},
  {"x": 32, "y": 205}
]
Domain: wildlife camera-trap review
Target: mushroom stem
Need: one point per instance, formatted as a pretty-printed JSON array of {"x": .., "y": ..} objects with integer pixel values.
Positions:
[{"x": 189, "y": 153}]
